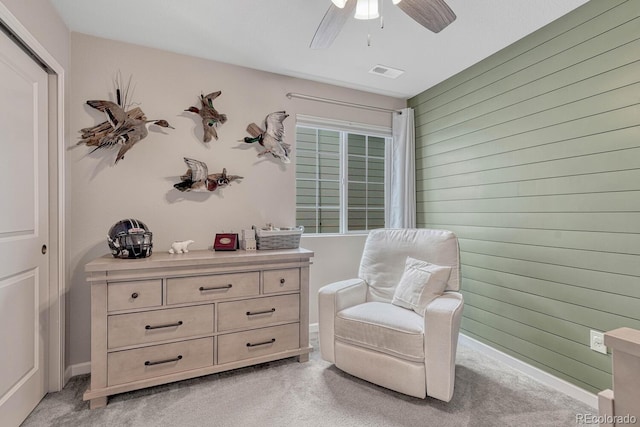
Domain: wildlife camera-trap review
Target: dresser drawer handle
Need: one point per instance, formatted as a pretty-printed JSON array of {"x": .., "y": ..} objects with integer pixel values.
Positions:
[
  {"x": 175, "y": 359},
  {"x": 282, "y": 281},
  {"x": 168, "y": 325},
  {"x": 134, "y": 295},
  {"x": 216, "y": 288},
  {"x": 271, "y": 341},
  {"x": 255, "y": 313}
]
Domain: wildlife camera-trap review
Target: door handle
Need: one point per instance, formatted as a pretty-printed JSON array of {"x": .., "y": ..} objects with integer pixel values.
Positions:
[{"x": 44, "y": 249}]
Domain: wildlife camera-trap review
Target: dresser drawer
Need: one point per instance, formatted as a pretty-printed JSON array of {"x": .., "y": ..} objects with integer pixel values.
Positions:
[
  {"x": 258, "y": 342},
  {"x": 209, "y": 288},
  {"x": 148, "y": 362},
  {"x": 258, "y": 312},
  {"x": 132, "y": 295},
  {"x": 281, "y": 280},
  {"x": 159, "y": 325}
]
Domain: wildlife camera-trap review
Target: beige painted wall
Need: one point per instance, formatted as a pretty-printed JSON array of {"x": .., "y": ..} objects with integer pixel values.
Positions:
[
  {"x": 336, "y": 258},
  {"x": 141, "y": 185},
  {"x": 44, "y": 23}
]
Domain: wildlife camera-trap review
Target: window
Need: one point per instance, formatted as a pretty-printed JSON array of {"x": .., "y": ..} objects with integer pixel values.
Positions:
[{"x": 340, "y": 176}]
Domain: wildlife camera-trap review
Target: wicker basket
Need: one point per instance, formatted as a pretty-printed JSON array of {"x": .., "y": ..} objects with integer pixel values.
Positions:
[{"x": 279, "y": 239}]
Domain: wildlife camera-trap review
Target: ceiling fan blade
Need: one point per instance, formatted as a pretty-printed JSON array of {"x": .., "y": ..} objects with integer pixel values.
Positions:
[
  {"x": 331, "y": 25},
  {"x": 434, "y": 15}
]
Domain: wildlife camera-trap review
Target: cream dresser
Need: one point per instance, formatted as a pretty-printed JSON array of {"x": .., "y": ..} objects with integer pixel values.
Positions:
[{"x": 175, "y": 316}]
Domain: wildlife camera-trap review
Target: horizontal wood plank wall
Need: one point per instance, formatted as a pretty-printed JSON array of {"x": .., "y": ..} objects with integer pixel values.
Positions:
[{"x": 532, "y": 157}]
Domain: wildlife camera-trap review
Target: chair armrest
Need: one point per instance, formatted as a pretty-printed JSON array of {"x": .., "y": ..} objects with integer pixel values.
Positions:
[
  {"x": 441, "y": 327},
  {"x": 331, "y": 299}
]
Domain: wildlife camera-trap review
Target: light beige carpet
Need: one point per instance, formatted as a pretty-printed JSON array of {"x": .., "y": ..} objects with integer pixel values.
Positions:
[{"x": 288, "y": 393}]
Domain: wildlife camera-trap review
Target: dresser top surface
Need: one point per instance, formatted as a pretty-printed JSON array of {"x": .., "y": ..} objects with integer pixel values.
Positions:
[{"x": 195, "y": 258}]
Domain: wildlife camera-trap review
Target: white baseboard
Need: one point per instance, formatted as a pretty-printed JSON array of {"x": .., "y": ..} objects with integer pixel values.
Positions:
[
  {"x": 313, "y": 327},
  {"x": 536, "y": 373},
  {"x": 77, "y": 369}
]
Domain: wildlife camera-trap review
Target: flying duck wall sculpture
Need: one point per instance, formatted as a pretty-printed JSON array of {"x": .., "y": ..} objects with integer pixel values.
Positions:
[
  {"x": 272, "y": 137},
  {"x": 210, "y": 116},
  {"x": 124, "y": 130},
  {"x": 197, "y": 178}
]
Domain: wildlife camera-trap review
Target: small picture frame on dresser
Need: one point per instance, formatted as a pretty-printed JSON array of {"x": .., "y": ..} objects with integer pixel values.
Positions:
[{"x": 225, "y": 242}]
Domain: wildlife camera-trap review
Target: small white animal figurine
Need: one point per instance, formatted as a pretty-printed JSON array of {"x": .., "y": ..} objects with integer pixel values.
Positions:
[{"x": 180, "y": 247}]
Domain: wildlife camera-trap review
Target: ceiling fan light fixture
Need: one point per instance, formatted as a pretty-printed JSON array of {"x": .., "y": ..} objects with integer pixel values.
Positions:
[
  {"x": 434, "y": 15},
  {"x": 367, "y": 9}
]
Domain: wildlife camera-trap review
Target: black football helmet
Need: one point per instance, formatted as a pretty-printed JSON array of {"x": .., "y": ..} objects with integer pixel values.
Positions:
[{"x": 130, "y": 238}]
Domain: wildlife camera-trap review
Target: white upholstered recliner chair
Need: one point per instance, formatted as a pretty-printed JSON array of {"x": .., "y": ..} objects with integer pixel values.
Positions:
[{"x": 367, "y": 336}]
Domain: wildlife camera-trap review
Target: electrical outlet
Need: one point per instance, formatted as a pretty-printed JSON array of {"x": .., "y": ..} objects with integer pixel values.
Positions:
[{"x": 597, "y": 342}]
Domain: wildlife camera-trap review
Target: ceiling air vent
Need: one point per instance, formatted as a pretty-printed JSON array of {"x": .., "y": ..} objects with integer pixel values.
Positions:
[{"x": 383, "y": 70}]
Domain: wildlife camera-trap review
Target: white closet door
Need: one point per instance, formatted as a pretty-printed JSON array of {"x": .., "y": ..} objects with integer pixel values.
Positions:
[{"x": 24, "y": 264}]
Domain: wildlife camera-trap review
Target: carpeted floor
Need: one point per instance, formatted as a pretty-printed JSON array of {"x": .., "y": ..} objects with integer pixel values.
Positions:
[{"x": 288, "y": 393}]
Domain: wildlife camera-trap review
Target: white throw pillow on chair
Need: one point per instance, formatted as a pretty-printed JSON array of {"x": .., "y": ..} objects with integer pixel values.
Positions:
[{"x": 421, "y": 283}]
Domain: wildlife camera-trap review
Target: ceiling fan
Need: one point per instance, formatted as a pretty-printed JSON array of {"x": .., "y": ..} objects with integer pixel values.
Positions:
[{"x": 434, "y": 15}]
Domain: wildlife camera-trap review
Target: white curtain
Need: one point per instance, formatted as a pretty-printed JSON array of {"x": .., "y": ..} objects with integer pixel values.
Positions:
[{"x": 401, "y": 201}]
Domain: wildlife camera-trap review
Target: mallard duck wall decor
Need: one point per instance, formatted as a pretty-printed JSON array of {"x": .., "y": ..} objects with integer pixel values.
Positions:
[
  {"x": 272, "y": 138},
  {"x": 210, "y": 116},
  {"x": 125, "y": 129},
  {"x": 197, "y": 177}
]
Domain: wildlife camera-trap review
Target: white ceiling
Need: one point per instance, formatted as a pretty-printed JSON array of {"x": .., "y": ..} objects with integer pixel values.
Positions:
[{"x": 274, "y": 35}]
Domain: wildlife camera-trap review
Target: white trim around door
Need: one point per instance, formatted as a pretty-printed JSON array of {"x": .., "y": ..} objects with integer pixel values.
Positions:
[{"x": 57, "y": 202}]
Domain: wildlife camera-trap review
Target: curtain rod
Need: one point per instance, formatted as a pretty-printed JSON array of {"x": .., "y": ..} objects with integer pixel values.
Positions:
[{"x": 337, "y": 102}]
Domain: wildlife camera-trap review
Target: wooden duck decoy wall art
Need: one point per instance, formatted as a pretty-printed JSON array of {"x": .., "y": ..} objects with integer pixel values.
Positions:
[
  {"x": 123, "y": 128},
  {"x": 272, "y": 138},
  {"x": 210, "y": 116},
  {"x": 125, "y": 131},
  {"x": 197, "y": 178}
]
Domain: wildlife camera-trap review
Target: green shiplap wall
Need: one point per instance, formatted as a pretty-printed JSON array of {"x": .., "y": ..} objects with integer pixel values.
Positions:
[{"x": 532, "y": 157}]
